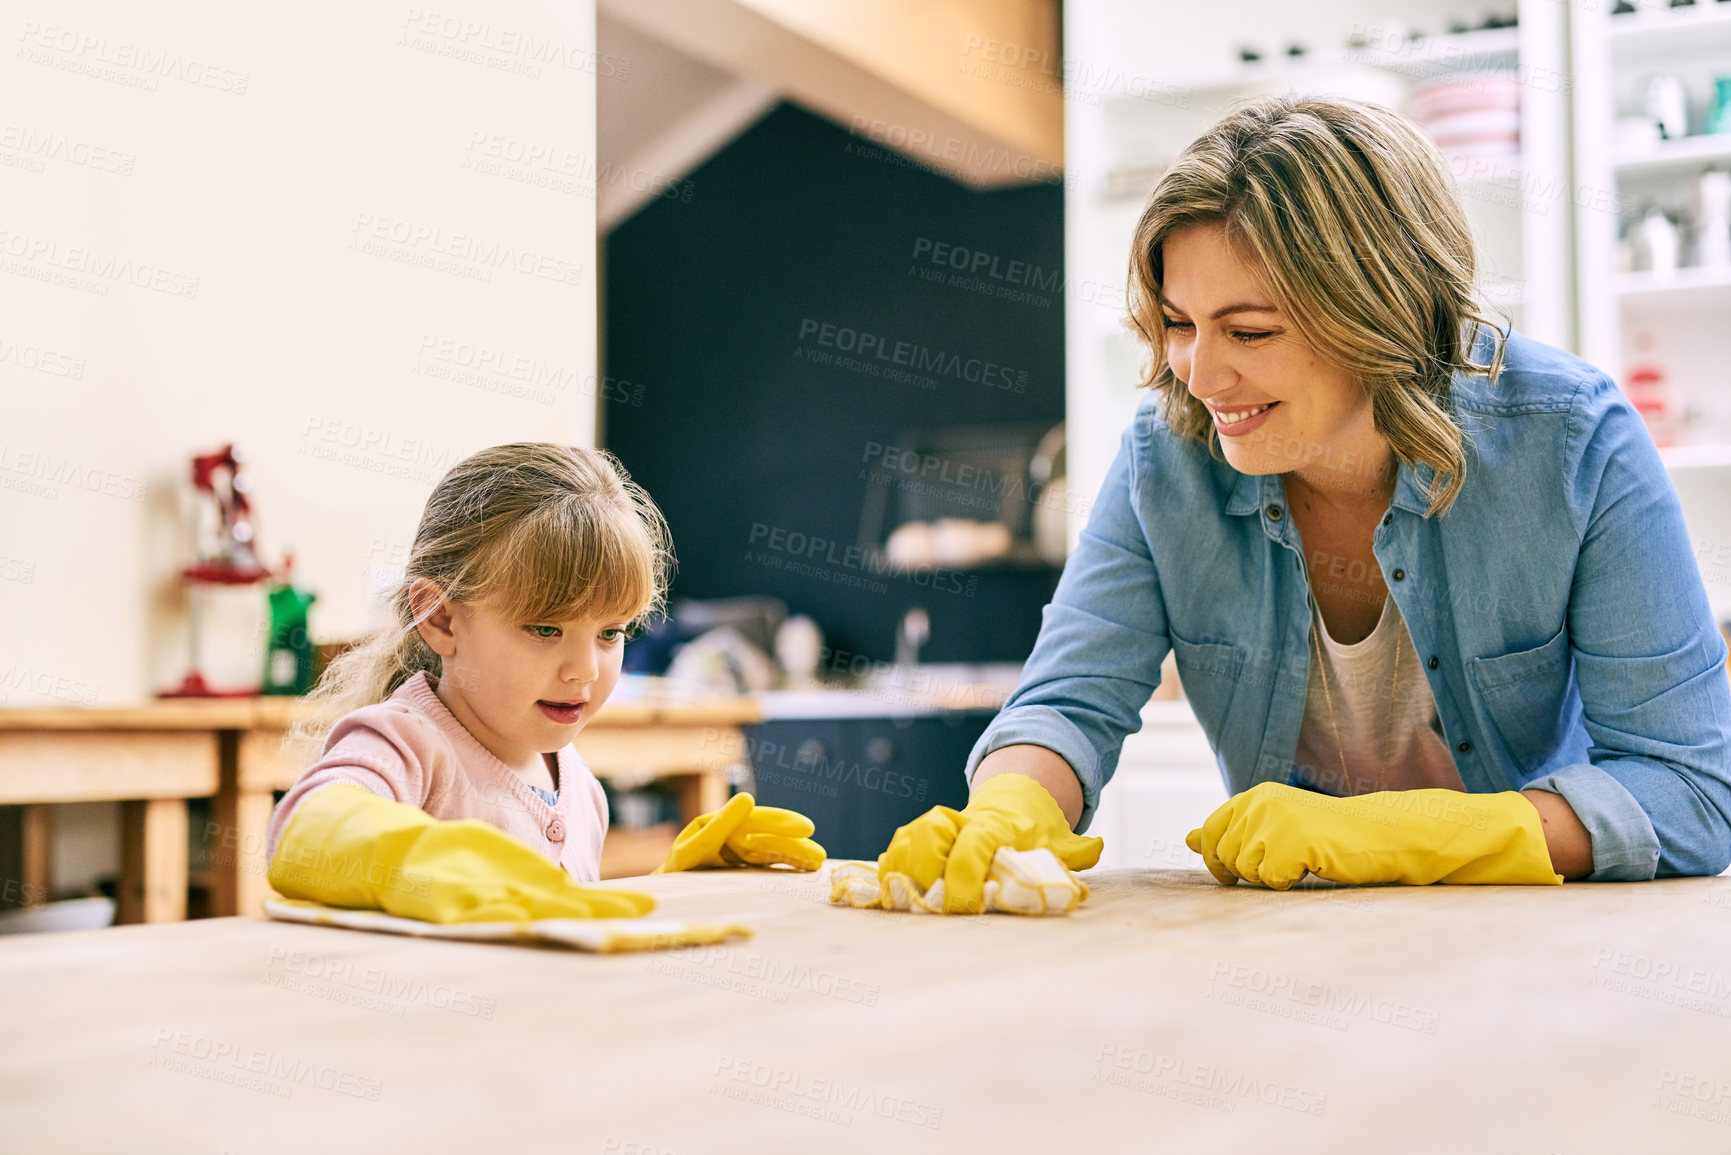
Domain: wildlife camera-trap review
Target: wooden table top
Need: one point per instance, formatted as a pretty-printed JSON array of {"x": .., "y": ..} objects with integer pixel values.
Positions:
[
  {"x": 1170, "y": 1014},
  {"x": 278, "y": 713}
]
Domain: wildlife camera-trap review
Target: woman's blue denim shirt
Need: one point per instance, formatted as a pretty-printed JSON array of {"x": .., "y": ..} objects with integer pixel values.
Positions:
[{"x": 1556, "y": 606}]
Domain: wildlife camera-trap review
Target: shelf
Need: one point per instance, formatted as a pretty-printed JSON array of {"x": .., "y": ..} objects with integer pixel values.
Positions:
[
  {"x": 1438, "y": 55},
  {"x": 1431, "y": 56},
  {"x": 1691, "y": 152},
  {"x": 1703, "y": 29},
  {"x": 1695, "y": 456},
  {"x": 1685, "y": 286}
]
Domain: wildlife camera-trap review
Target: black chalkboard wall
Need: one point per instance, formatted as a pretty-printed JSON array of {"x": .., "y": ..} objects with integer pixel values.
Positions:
[{"x": 789, "y": 314}]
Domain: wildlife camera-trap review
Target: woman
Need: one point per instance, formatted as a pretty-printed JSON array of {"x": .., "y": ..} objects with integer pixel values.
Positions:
[{"x": 1427, "y": 584}]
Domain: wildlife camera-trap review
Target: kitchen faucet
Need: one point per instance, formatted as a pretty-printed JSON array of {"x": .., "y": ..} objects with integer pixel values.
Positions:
[{"x": 911, "y": 634}]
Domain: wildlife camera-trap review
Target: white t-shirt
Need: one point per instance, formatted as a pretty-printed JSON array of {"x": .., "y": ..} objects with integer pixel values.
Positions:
[{"x": 1385, "y": 712}]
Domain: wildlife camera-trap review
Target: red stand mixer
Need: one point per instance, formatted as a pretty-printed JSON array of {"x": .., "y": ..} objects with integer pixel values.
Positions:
[{"x": 226, "y": 556}]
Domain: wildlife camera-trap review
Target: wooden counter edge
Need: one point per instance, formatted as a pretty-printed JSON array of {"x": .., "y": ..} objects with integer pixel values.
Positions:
[{"x": 281, "y": 713}]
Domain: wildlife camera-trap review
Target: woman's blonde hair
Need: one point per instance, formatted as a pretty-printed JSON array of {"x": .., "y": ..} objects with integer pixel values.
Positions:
[
  {"x": 1349, "y": 215},
  {"x": 543, "y": 532}
]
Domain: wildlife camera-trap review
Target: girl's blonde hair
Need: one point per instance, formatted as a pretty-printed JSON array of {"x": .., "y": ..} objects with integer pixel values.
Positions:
[
  {"x": 1350, "y": 217},
  {"x": 543, "y": 532}
]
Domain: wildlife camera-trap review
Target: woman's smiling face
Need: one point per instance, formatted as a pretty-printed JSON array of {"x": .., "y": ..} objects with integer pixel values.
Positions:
[{"x": 1234, "y": 349}]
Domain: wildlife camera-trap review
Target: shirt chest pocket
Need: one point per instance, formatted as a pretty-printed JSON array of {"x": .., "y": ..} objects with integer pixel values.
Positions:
[
  {"x": 1525, "y": 693},
  {"x": 1209, "y": 673}
]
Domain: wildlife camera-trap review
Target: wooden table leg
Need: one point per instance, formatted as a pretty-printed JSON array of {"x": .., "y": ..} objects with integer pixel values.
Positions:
[
  {"x": 239, "y": 821},
  {"x": 237, "y": 861},
  {"x": 701, "y": 791},
  {"x": 153, "y": 860},
  {"x": 38, "y": 854}
]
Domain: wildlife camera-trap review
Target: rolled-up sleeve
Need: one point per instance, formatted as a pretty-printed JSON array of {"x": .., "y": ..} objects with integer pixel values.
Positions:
[
  {"x": 1656, "y": 791},
  {"x": 1102, "y": 639}
]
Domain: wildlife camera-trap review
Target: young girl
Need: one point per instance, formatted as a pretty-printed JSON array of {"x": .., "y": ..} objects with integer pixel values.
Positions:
[{"x": 531, "y": 565}]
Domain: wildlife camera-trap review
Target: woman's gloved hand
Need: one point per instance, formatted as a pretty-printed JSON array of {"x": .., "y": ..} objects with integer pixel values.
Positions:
[
  {"x": 1272, "y": 834},
  {"x": 957, "y": 846},
  {"x": 743, "y": 833},
  {"x": 346, "y": 846}
]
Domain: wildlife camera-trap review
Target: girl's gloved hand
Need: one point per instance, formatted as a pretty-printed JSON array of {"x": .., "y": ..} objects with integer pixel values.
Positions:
[
  {"x": 743, "y": 833},
  {"x": 1273, "y": 834},
  {"x": 346, "y": 846},
  {"x": 958, "y": 846}
]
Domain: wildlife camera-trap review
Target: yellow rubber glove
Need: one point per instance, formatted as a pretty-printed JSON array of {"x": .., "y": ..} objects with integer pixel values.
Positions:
[
  {"x": 743, "y": 833},
  {"x": 346, "y": 846},
  {"x": 958, "y": 846},
  {"x": 1272, "y": 834}
]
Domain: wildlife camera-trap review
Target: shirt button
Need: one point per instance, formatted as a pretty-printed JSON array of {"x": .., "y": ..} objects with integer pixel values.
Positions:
[
  {"x": 1433, "y": 661},
  {"x": 1465, "y": 747},
  {"x": 1399, "y": 575},
  {"x": 1274, "y": 513},
  {"x": 1387, "y": 518},
  {"x": 556, "y": 830}
]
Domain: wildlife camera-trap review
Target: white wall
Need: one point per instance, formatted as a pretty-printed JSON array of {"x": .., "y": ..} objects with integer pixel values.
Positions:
[{"x": 284, "y": 227}]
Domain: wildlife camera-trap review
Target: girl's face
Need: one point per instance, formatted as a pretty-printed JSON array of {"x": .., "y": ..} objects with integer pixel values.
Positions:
[
  {"x": 1235, "y": 350},
  {"x": 523, "y": 688}
]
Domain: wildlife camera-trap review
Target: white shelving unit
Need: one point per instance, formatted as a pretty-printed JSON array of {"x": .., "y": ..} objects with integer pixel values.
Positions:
[
  {"x": 1677, "y": 157},
  {"x": 1686, "y": 288},
  {"x": 1422, "y": 56},
  {"x": 1675, "y": 323}
]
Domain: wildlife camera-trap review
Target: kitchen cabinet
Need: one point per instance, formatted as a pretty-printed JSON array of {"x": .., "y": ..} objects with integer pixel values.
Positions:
[{"x": 858, "y": 778}]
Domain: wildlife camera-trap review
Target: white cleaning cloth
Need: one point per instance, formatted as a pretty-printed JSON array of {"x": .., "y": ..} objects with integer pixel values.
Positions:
[
  {"x": 602, "y": 935},
  {"x": 1019, "y": 882}
]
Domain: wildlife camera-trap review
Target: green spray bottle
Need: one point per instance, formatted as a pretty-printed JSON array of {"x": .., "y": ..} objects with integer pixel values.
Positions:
[{"x": 288, "y": 661}]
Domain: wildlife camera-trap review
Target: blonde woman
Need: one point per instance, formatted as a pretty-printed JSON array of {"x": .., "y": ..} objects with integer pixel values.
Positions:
[
  {"x": 1427, "y": 585},
  {"x": 448, "y": 789}
]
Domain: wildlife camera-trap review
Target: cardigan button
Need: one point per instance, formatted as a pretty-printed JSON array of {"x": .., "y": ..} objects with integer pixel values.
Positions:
[
  {"x": 1465, "y": 747},
  {"x": 1433, "y": 661},
  {"x": 556, "y": 830},
  {"x": 1399, "y": 575}
]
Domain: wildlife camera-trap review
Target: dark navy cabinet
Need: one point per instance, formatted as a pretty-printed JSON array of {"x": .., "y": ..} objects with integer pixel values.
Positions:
[{"x": 860, "y": 778}]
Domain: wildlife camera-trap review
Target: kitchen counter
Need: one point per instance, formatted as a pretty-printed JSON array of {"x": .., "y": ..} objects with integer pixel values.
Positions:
[{"x": 790, "y": 705}]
